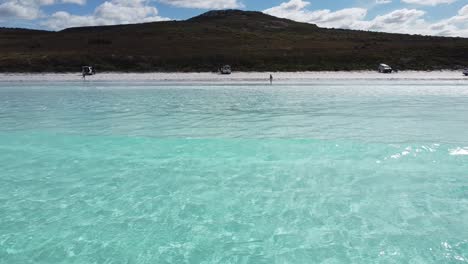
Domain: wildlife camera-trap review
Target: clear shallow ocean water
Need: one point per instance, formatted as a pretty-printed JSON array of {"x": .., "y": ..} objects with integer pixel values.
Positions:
[{"x": 324, "y": 172}]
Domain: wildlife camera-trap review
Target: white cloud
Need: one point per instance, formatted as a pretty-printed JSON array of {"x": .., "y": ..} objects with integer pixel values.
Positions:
[
  {"x": 409, "y": 21},
  {"x": 454, "y": 26},
  {"x": 296, "y": 10},
  {"x": 428, "y": 2},
  {"x": 108, "y": 13},
  {"x": 22, "y": 9},
  {"x": 78, "y": 2},
  {"x": 380, "y": 2},
  {"x": 28, "y": 9},
  {"x": 51, "y": 2},
  {"x": 204, "y": 4},
  {"x": 19, "y": 10},
  {"x": 288, "y": 7}
]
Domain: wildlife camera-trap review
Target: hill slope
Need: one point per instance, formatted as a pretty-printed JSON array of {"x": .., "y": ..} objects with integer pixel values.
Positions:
[{"x": 246, "y": 40}]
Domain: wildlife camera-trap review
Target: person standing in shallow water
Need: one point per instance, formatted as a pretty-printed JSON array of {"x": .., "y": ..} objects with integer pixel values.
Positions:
[{"x": 271, "y": 79}]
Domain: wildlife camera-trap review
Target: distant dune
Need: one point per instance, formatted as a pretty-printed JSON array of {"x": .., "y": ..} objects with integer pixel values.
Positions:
[{"x": 249, "y": 41}]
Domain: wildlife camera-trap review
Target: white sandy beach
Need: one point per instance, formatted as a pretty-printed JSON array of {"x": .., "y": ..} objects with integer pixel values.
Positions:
[{"x": 236, "y": 76}]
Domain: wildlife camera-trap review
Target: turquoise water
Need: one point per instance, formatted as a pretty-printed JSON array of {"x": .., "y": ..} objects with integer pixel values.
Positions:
[{"x": 325, "y": 172}]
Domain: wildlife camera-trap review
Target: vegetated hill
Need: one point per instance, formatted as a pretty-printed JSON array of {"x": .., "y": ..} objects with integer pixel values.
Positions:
[{"x": 249, "y": 41}]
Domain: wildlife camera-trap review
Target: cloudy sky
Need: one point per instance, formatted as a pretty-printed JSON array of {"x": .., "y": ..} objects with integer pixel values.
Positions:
[{"x": 427, "y": 17}]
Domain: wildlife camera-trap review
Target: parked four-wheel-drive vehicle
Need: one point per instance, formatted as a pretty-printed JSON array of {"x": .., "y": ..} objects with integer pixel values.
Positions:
[
  {"x": 384, "y": 68},
  {"x": 465, "y": 72},
  {"x": 226, "y": 69}
]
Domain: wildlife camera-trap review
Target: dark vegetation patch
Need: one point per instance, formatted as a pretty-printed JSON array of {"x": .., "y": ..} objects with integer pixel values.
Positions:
[{"x": 249, "y": 41}]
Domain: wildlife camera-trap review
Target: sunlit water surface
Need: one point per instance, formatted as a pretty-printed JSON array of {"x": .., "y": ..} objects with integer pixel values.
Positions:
[{"x": 325, "y": 172}]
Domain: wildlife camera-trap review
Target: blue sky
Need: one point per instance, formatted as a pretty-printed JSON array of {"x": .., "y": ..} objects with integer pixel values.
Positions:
[{"x": 427, "y": 17}]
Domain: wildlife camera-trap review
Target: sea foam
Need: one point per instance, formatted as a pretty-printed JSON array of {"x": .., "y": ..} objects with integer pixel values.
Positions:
[{"x": 459, "y": 151}]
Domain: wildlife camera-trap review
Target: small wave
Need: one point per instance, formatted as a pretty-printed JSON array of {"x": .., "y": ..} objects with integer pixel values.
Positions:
[
  {"x": 401, "y": 154},
  {"x": 459, "y": 151},
  {"x": 413, "y": 151}
]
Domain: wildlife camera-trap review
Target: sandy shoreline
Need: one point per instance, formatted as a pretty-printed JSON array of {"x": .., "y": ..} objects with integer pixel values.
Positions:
[{"x": 235, "y": 77}]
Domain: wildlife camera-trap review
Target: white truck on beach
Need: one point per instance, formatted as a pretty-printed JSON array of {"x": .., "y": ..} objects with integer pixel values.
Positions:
[{"x": 384, "y": 68}]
